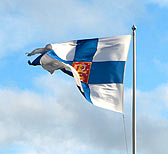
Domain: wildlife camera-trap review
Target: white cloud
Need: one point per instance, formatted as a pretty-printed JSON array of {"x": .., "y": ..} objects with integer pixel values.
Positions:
[
  {"x": 58, "y": 119},
  {"x": 162, "y": 3},
  {"x": 24, "y": 23},
  {"x": 152, "y": 121},
  {"x": 46, "y": 123}
]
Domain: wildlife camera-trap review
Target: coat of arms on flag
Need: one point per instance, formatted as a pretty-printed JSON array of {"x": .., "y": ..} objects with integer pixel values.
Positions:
[{"x": 83, "y": 69}]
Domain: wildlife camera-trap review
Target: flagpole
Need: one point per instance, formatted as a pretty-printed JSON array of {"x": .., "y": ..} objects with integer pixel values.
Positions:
[{"x": 134, "y": 93}]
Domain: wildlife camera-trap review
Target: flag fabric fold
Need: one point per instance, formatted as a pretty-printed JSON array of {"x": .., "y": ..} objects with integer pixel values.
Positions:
[{"x": 97, "y": 65}]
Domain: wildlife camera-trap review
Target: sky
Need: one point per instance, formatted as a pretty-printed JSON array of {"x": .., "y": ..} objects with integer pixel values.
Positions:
[{"x": 46, "y": 114}]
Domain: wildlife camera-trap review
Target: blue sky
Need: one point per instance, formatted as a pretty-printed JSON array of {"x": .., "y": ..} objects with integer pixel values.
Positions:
[{"x": 46, "y": 114}]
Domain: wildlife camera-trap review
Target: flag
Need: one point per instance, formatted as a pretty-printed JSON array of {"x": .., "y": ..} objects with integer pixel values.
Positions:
[{"x": 97, "y": 65}]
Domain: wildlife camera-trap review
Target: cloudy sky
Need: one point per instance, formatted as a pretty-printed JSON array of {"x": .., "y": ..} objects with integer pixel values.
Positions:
[{"x": 46, "y": 114}]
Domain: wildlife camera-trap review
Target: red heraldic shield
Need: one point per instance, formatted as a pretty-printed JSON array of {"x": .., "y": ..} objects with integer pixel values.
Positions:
[{"x": 83, "y": 69}]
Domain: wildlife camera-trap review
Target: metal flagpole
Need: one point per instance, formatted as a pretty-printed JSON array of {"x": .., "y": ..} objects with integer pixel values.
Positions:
[{"x": 134, "y": 93}]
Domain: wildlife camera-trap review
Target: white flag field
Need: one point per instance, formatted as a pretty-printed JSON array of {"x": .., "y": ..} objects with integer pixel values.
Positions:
[{"x": 97, "y": 65}]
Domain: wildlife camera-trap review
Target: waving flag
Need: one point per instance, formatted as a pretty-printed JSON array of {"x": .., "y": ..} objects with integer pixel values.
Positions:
[{"x": 97, "y": 65}]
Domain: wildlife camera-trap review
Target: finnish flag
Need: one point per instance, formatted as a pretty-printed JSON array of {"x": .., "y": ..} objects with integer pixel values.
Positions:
[{"x": 97, "y": 65}]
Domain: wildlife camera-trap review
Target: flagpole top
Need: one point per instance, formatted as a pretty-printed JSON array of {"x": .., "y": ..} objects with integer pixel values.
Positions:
[{"x": 134, "y": 28}]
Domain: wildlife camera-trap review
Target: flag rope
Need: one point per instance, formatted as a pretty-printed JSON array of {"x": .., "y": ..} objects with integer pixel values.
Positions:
[{"x": 125, "y": 133}]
